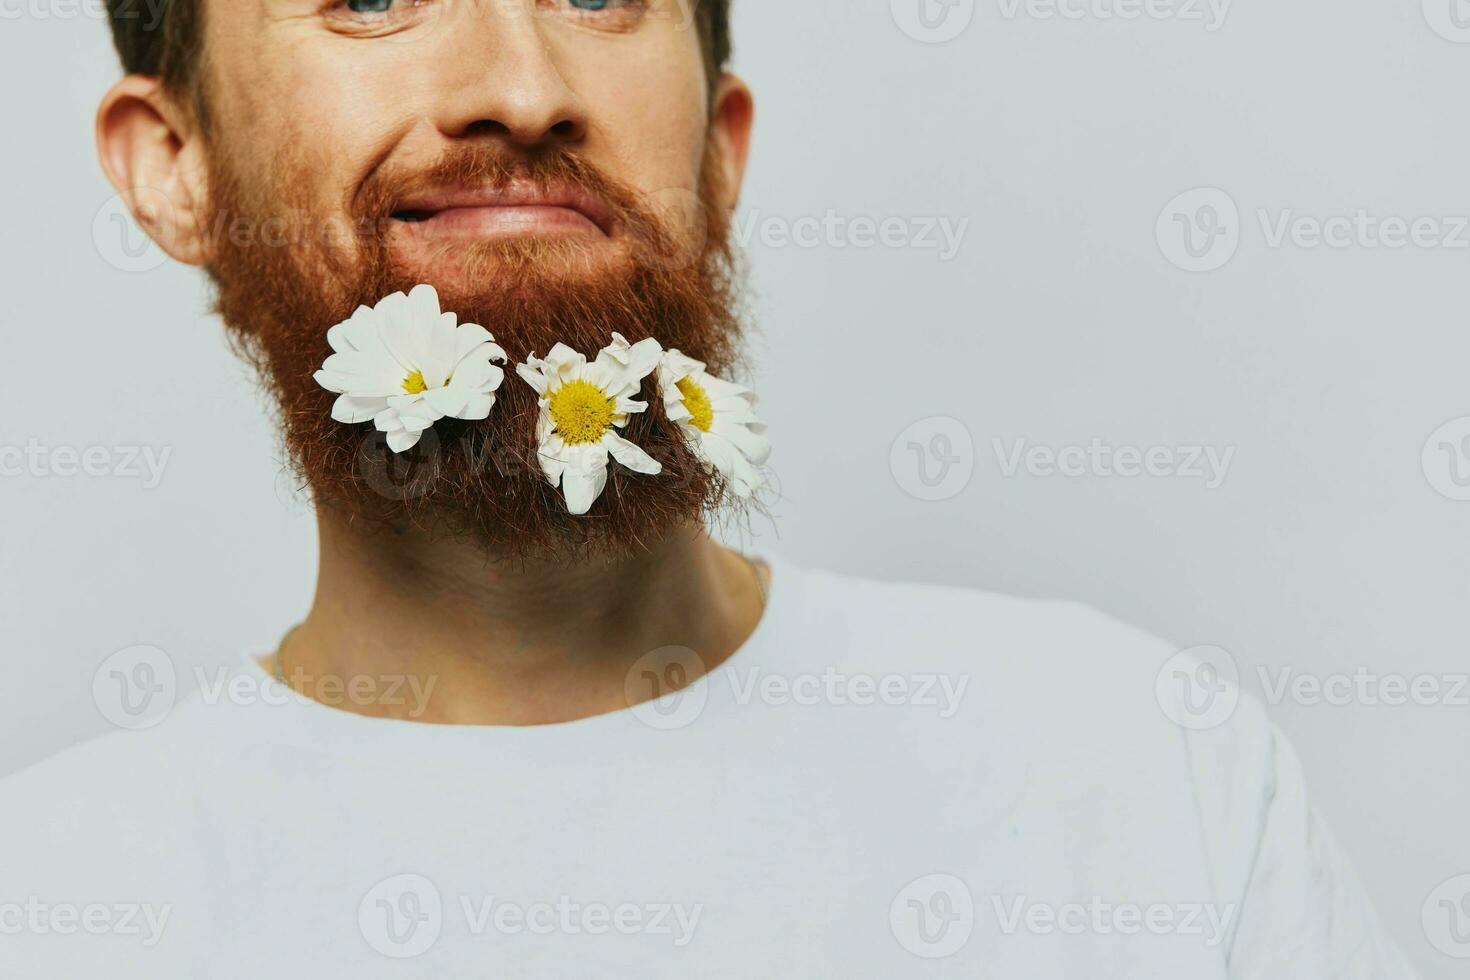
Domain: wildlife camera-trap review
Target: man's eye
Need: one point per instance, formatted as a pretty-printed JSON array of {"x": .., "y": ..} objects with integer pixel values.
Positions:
[
  {"x": 368, "y": 6},
  {"x": 614, "y": 8}
]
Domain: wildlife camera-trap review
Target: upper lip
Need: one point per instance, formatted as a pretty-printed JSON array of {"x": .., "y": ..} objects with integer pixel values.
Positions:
[{"x": 516, "y": 194}]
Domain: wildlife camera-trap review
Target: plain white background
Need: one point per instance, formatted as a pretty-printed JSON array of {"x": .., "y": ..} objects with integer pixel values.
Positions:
[{"x": 1058, "y": 138}]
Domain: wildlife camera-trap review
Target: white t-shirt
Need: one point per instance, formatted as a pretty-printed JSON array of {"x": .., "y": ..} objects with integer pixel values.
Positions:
[{"x": 885, "y": 781}]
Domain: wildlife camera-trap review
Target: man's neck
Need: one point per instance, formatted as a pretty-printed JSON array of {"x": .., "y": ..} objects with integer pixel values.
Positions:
[{"x": 460, "y": 641}]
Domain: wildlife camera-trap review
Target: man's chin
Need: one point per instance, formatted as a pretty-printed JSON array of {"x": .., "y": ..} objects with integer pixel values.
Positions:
[{"x": 639, "y": 276}]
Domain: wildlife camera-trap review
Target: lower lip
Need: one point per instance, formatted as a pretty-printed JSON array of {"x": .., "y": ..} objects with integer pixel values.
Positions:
[{"x": 505, "y": 222}]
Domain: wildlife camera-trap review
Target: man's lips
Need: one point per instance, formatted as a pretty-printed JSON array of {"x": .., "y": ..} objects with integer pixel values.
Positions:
[{"x": 513, "y": 211}]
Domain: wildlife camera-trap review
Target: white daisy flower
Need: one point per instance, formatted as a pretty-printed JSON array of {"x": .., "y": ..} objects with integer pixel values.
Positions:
[
  {"x": 719, "y": 419},
  {"x": 404, "y": 365},
  {"x": 582, "y": 408}
]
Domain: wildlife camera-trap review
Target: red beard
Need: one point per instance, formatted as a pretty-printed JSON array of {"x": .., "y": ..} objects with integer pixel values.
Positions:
[{"x": 280, "y": 285}]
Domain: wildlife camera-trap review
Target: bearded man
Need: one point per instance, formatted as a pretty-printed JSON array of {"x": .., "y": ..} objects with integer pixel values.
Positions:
[{"x": 538, "y": 723}]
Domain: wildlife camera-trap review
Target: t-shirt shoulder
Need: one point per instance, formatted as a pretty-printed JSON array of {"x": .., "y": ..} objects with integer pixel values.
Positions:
[
  {"x": 1101, "y": 710},
  {"x": 975, "y": 629}
]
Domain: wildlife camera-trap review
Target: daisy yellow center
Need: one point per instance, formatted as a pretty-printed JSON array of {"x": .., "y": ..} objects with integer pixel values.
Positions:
[
  {"x": 415, "y": 384},
  {"x": 696, "y": 399},
  {"x": 582, "y": 412}
]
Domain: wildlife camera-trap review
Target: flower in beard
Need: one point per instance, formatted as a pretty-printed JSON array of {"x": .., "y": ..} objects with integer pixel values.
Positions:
[
  {"x": 582, "y": 408},
  {"x": 404, "y": 365},
  {"x": 718, "y": 418}
]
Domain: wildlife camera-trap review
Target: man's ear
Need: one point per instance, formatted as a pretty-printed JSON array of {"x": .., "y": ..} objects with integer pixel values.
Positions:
[
  {"x": 152, "y": 153},
  {"x": 731, "y": 120}
]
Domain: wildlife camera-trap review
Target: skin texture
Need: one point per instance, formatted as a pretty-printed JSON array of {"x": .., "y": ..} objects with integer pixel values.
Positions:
[{"x": 319, "y": 105}]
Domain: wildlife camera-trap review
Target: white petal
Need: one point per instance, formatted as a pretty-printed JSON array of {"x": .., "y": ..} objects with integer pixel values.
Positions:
[
  {"x": 350, "y": 409},
  {"x": 581, "y": 489},
  {"x": 468, "y": 336},
  {"x": 476, "y": 408},
  {"x": 736, "y": 412},
  {"x": 414, "y": 405},
  {"x": 718, "y": 451},
  {"x": 676, "y": 410},
  {"x": 405, "y": 339},
  {"x": 638, "y": 359},
  {"x": 607, "y": 375},
  {"x": 447, "y": 401},
  {"x": 473, "y": 374},
  {"x": 402, "y": 442},
  {"x": 423, "y": 305},
  {"x": 745, "y": 479},
  {"x": 718, "y": 388},
  {"x": 752, "y": 445},
  {"x": 629, "y": 406},
  {"x": 675, "y": 366},
  {"x": 631, "y": 455},
  {"x": 532, "y": 376},
  {"x": 332, "y": 382},
  {"x": 552, "y": 469},
  {"x": 388, "y": 420},
  {"x": 337, "y": 338},
  {"x": 440, "y": 343},
  {"x": 362, "y": 374},
  {"x": 562, "y": 362},
  {"x": 364, "y": 334}
]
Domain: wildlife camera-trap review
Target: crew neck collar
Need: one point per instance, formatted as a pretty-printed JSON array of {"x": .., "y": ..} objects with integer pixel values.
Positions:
[{"x": 781, "y": 604}]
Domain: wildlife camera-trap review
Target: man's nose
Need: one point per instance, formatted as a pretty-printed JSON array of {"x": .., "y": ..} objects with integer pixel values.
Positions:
[{"x": 504, "y": 77}]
